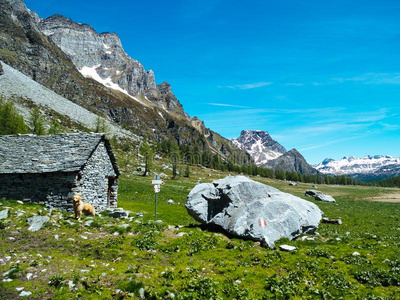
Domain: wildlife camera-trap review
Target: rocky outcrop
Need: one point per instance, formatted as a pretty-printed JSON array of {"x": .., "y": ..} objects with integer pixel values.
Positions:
[
  {"x": 259, "y": 144},
  {"x": 252, "y": 210},
  {"x": 292, "y": 161},
  {"x": 1, "y": 69}
]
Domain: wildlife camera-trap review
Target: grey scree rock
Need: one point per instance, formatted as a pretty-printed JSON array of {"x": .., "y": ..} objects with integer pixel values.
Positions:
[
  {"x": 4, "y": 214},
  {"x": 252, "y": 210},
  {"x": 37, "y": 222}
]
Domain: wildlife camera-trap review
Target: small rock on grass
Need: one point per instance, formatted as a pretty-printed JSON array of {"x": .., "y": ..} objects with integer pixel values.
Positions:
[
  {"x": 37, "y": 222},
  {"x": 71, "y": 285},
  {"x": 25, "y": 294},
  {"x": 141, "y": 293},
  {"x": 355, "y": 253},
  {"x": 332, "y": 221},
  {"x": 4, "y": 214},
  {"x": 20, "y": 202},
  {"x": 287, "y": 248}
]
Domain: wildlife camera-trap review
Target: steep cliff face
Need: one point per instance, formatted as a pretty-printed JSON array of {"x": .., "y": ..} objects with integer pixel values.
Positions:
[
  {"x": 101, "y": 53},
  {"x": 102, "y": 58}
]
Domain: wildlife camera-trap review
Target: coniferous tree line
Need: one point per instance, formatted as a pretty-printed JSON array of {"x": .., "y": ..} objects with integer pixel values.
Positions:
[
  {"x": 390, "y": 182},
  {"x": 11, "y": 122},
  {"x": 196, "y": 155}
]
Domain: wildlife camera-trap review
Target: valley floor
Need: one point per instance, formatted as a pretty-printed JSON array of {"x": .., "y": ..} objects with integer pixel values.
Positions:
[{"x": 108, "y": 258}]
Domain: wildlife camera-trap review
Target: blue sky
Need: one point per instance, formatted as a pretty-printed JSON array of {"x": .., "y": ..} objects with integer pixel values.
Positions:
[{"x": 320, "y": 76}]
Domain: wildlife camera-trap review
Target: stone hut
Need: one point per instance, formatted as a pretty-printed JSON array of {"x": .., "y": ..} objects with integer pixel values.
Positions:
[{"x": 51, "y": 169}]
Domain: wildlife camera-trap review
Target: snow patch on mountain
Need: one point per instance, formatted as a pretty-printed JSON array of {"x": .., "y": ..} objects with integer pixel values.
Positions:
[{"x": 90, "y": 72}]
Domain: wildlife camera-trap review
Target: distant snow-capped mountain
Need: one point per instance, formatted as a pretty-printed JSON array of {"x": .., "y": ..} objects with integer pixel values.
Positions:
[
  {"x": 267, "y": 152},
  {"x": 259, "y": 144},
  {"x": 367, "y": 168}
]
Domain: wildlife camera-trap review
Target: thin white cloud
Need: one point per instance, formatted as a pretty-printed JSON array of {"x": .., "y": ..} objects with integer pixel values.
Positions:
[
  {"x": 312, "y": 147},
  {"x": 247, "y": 86},
  {"x": 390, "y": 127},
  {"x": 227, "y": 105},
  {"x": 294, "y": 84},
  {"x": 366, "y": 78},
  {"x": 372, "y": 78}
]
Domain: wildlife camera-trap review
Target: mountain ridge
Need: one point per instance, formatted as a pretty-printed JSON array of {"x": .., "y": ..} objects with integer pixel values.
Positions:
[
  {"x": 292, "y": 161},
  {"x": 367, "y": 168},
  {"x": 25, "y": 48}
]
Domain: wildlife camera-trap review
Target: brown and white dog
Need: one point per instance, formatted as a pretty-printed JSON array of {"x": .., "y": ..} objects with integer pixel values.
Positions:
[{"x": 80, "y": 207}]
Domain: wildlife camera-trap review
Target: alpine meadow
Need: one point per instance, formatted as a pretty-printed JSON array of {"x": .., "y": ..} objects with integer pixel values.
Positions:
[{"x": 199, "y": 150}]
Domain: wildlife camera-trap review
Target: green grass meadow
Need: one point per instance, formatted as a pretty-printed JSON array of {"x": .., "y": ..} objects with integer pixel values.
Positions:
[{"x": 179, "y": 259}]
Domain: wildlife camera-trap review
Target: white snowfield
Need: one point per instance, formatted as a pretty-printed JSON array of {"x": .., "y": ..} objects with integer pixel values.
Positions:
[
  {"x": 353, "y": 165},
  {"x": 15, "y": 83},
  {"x": 90, "y": 72}
]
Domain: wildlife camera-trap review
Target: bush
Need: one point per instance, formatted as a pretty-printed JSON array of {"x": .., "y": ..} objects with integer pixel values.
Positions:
[
  {"x": 11, "y": 122},
  {"x": 57, "y": 281},
  {"x": 37, "y": 122},
  {"x": 319, "y": 253},
  {"x": 146, "y": 241}
]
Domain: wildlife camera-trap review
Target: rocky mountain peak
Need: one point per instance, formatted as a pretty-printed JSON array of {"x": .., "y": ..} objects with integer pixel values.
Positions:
[
  {"x": 292, "y": 161},
  {"x": 259, "y": 144}
]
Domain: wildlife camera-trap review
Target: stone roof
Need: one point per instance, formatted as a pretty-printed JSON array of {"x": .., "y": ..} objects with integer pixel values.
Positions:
[{"x": 69, "y": 152}]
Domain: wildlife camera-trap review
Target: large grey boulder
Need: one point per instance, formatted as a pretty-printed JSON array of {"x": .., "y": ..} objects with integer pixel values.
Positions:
[
  {"x": 317, "y": 195},
  {"x": 4, "y": 214},
  {"x": 37, "y": 222},
  {"x": 252, "y": 210},
  {"x": 325, "y": 198}
]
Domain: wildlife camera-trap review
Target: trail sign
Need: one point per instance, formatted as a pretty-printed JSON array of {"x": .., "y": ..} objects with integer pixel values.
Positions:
[
  {"x": 156, "y": 181},
  {"x": 262, "y": 222},
  {"x": 157, "y": 188}
]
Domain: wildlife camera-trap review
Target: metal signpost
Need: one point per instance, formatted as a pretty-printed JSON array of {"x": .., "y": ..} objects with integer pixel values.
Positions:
[{"x": 157, "y": 188}]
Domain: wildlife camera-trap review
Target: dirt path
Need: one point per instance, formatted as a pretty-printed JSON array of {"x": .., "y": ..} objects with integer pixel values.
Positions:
[{"x": 394, "y": 198}]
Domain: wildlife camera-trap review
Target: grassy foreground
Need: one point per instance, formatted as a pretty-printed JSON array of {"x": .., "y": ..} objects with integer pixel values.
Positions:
[{"x": 109, "y": 258}]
